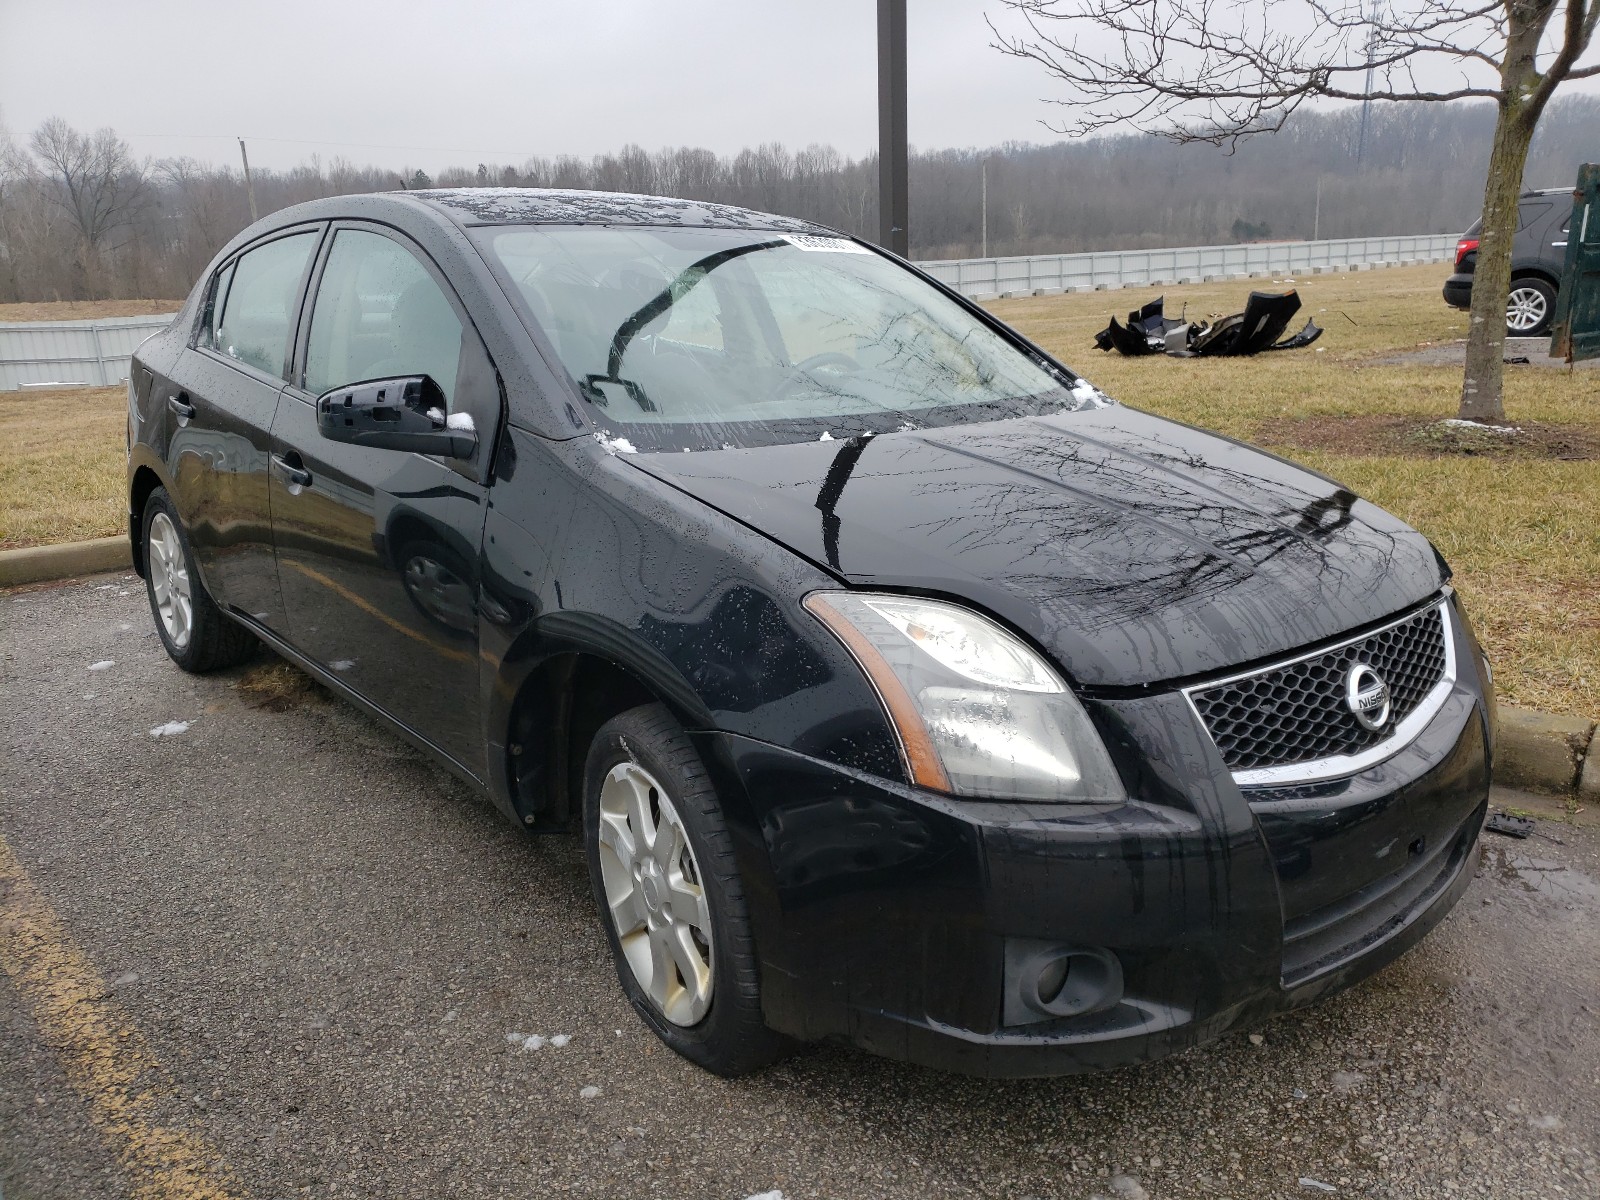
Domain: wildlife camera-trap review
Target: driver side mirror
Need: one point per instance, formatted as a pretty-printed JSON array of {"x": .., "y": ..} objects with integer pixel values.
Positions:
[{"x": 407, "y": 413}]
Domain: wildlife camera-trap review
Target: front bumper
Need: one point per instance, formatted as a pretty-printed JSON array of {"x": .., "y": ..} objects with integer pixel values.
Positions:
[{"x": 897, "y": 919}]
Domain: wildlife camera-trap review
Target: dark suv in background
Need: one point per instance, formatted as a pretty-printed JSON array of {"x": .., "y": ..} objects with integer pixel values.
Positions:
[{"x": 1537, "y": 255}]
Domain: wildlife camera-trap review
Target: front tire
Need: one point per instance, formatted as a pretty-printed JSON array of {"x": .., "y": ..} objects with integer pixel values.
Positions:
[
  {"x": 196, "y": 634},
  {"x": 661, "y": 863},
  {"x": 1529, "y": 307}
]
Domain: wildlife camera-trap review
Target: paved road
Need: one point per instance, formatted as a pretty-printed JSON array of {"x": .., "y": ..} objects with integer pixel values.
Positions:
[{"x": 278, "y": 955}]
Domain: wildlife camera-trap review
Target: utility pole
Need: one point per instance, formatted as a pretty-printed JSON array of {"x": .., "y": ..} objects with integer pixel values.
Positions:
[
  {"x": 249, "y": 184},
  {"x": 985, "y": 168},
  {"x": 1316, "y": 219},
  {"x": 1366, "y": 105},
  {"x": 893, "y": 169}
]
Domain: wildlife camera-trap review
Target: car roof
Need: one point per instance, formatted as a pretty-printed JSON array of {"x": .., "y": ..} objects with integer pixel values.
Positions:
[{"x": 551, "y": 206}]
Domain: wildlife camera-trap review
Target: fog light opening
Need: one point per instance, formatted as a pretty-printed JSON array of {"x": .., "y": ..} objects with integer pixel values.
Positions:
[{"x": 1051, "y": 980}]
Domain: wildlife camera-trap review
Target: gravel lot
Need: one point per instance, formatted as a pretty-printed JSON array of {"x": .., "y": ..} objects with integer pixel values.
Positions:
[{"x": 326, "y": 944}]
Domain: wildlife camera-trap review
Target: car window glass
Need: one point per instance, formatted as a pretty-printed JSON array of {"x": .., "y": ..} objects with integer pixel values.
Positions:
[
  {"x": 693, "y": 338},
  {"x": 1529, "y": 213},
  {"x": 215, "y": 300},
  {"x": 379, "y": 314},
  {"x": 261, "y": 300}
]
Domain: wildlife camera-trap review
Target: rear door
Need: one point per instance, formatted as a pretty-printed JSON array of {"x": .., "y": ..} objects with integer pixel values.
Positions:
[
  {"x": 378, "y": 550},
  {"x": 221, "y": 399}
]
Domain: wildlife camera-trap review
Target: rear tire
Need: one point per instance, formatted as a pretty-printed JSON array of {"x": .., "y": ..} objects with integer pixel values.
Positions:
[
  {"x": 661, "y": 862},
  {"x": 196, "y": 634},
  {"x": 1530, "y": 307}
]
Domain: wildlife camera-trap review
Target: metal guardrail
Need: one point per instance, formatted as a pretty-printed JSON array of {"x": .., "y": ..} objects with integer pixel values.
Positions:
[
  {"x": 95, "y": 353},
  {"x": 72, "y": 353},
  {"x": 986, "y": 278}
]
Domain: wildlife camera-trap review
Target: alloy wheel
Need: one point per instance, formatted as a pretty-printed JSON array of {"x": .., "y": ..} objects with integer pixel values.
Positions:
[
  {"x": 1525, "y": 309},
  {"x": 653, "y": 890},
  {"x": 169, "y": 581}
]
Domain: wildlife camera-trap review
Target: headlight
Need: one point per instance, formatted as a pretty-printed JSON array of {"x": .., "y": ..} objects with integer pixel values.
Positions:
[{"x": 977, "y": 712}]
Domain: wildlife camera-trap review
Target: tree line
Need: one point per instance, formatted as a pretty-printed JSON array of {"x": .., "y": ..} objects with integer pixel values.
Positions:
[{"x": 82, "y": 218}]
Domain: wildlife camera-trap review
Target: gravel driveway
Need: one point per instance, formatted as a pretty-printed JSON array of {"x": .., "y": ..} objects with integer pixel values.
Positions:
[{"x": 329, "y": 966}]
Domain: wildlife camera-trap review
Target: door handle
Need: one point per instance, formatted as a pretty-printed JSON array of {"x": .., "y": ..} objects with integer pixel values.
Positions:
[
  {"x": 295, "y": 475},
  {"x": 180, "y": 406}
]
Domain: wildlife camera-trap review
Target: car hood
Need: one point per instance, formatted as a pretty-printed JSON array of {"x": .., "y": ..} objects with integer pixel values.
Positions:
[{"x": 1136, "y": 550}]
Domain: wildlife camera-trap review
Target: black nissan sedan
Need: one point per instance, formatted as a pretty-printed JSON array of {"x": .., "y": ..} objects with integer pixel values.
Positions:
[{"x": 904, "y": 688}]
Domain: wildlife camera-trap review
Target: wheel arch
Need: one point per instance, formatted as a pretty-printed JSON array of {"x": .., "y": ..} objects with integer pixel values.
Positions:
[
  {"x": 144, "y": 481},
  {"x": 558, "y": 684},
  {"x": 1535, "y": 272}
]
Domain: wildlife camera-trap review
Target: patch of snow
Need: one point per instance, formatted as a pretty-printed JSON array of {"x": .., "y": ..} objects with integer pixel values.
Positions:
[
  {"x": 124, "y": 627},
  {"x": 170, "y": 729},
  {"x": 1316, "y": 1184},
  {"x": 618, "y": 445},
  {"x": 1085, "y": 392},
  {"x": 826, "y": 436},
  {"x": 436, "y": 415},
  {"x": 341, "y": 664},
  {"x": 515, "y": 1039},
  {"x": 560, "y": 1040},
  {"x": 590, "y": 1093},
  {"x": 1502, "y": 430},
  {"x": 532, "y": 1042},
  {"x": 106, "y": 587},
  {"x": 105, "y": 664},
  {"x": 461, "y": 421},
  {"x": 774, "y": 1194}
]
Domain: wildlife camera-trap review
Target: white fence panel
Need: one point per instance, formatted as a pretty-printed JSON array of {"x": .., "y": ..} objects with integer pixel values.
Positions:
[
  {"x": 985, "y": 278},
  {"x": 72, "y": 353}
]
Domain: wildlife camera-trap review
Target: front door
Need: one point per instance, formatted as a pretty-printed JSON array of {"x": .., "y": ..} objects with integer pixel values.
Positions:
[
  {"x": 221, "y": 399},
  {"x": 378, "y": 550},
  {"x": 1576, "y": 335}
]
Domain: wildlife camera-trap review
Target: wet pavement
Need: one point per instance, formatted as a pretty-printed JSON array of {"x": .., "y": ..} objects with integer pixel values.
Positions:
[{"x": 317, "y": 947}]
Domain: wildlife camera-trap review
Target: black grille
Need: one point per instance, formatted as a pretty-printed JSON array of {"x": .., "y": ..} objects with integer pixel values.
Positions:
[{"x": 1297, "y": 713}]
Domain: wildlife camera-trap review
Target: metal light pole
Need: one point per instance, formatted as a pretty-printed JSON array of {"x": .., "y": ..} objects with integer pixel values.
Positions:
[
  {"x": 893, "y": 171},
  {"x": 249, "y": 183}
]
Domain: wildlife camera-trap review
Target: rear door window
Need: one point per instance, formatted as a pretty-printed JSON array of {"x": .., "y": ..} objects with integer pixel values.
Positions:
[{"x": 262, "y": 295}]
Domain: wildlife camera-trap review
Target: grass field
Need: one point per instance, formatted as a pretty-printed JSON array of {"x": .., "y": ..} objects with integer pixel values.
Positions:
[
  {"x": 86, "y": 310},
  {"x": 1520, "y": 522}
]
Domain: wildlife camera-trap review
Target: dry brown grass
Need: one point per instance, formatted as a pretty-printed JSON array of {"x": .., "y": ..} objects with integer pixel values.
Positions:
[
  {"x": 1523, "y": 533},
  {"x": 63, "y": 461},
  {"x": 86, "y": 310},
  {"x": 278, "y": 686}
]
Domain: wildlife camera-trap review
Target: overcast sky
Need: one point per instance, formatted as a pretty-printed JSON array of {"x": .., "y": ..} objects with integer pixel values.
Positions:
[{"x": 431, "y": 84}]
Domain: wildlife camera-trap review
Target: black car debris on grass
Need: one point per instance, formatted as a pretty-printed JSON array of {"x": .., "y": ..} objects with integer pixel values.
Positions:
[
  {"x": 905, "y": 688},
  {"x": 1258, "y": 328}
]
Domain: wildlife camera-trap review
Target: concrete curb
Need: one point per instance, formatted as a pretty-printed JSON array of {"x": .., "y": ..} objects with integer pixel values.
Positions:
[
  {"x": 1546, "y": 753},
  {"x": 1537, "y": 751},
  {"x": 36, "y": 564}
]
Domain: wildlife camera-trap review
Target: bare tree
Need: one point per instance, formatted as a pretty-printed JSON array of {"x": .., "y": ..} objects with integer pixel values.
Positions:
[
  {"x": 95, "y": 179},
  {"x": 1221, "y": 70}
]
